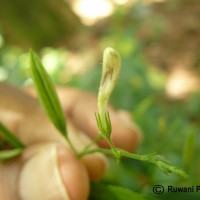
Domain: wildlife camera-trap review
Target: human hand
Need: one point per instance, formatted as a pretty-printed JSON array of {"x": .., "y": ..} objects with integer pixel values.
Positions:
[{"x": 48, "y": 169}]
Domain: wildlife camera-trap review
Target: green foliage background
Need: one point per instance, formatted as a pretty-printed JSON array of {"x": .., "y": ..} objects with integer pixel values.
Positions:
[{"x": 170, "y": 127}]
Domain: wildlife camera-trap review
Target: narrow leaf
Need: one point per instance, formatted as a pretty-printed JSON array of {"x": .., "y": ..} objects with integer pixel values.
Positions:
[
  {"x": 8, "y": 154},
  {"x": 189, "y": 150},
  {"x": 108, "y": 124},
  {"x": 8, "y": 136},
  {"x": 47, "y": 94}
]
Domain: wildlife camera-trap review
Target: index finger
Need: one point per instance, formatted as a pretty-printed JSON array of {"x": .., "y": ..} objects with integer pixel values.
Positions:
[{"x": 125, "y": 133}]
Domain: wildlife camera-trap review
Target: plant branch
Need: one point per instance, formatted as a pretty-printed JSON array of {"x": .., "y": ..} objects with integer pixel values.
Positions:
[{"x": 153, "y": 158}]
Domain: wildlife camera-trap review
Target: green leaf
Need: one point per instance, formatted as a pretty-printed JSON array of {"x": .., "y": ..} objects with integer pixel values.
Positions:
[
  {"x": 8, "y": 154},
  {"x": 47, "y": 94},
  {"x": 104, "y": 130},
  {"x": 189, "y": 150},
  {"x": 112, "y": 192},
  {"x": 156, "y": 159},
  {"x": 99, "y": 124},
  {"x": 11, "y": 138}
]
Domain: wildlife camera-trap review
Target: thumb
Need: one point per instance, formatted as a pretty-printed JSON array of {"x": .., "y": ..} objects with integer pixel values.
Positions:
[{"x": 45, "y": 171}]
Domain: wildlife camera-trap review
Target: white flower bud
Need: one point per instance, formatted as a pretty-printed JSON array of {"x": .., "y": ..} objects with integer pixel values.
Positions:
[{"x": 110, "y": 73}]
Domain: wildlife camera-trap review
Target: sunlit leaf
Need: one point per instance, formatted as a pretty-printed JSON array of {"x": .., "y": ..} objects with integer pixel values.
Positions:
[{"x": 47, "y": 94}]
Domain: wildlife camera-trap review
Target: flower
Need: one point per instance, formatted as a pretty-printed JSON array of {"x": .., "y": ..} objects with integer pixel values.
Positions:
[{"x": 110, "y": 73}]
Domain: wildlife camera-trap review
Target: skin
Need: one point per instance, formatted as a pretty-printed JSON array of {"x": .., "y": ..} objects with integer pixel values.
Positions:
[{"x": 22, "y": 114}]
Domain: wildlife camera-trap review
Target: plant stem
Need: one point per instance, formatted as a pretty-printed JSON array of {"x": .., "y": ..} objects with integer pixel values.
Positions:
[
  {"x": 119, "y": 151},
  {"x": 115, "y": 150},
  {"x": 71, "y": 145},
  {"x": 97, "y": 150},
  {"x": 97, "y": 139},
  {"x": 146, "y": 157},
  {"x": 152, "y": 158}
]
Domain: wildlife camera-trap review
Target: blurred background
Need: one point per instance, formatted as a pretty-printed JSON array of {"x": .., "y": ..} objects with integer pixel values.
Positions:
[{"x": 159, "y": 41}]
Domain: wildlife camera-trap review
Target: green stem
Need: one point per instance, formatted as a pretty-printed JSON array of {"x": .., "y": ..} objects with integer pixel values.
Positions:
[
  {"x": 97, "y": 139},
  {"x": 71, "y": 145},
  {"x": 116, "y": 152},
  {"x": 152, "y": 158},
  {"x": 119, "y": 151},
  {"x": 97, "y": 150},
  {"x": 147, "y": 158}
]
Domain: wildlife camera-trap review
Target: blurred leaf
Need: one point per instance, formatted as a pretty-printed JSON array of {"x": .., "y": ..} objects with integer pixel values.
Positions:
[
  {"x": 47, "y": 94},
  {"x": 193, "y": 106},
  {"x": 180, "y": 196},
  {"x": 8, "y": 154},
  {"x": 14, "y": 141},
  {"x": 112, "y": 192},
  {"x": 54, "y": 23},
  {"x": 143, "y": 106},
  {"x": 189, "y": 149}
]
